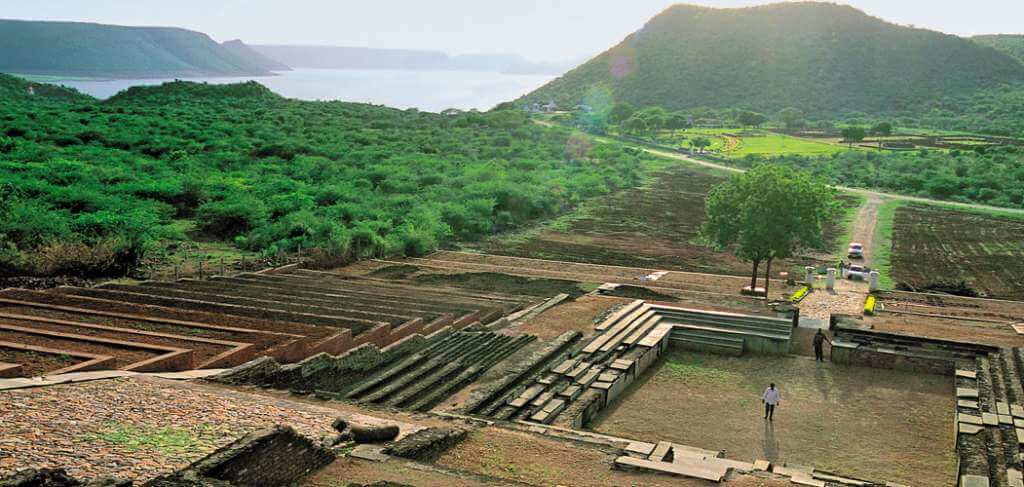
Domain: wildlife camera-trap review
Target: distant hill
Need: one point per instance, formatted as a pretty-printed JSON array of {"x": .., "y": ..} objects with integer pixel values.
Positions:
[
  {"x": 97, "y": 50},
  {"x": 823, "y": 58},
  {"x": 1010, "y": 44},
  {"x": 341, "y": 57},
  {"x": 246, "y": 52}
]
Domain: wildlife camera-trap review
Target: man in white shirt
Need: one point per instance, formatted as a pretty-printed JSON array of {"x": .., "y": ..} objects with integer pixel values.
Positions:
[{"x": 771, "y": 398}]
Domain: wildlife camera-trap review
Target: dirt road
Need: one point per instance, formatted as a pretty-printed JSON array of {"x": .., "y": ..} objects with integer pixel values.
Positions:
[{"x": 864, "y": 226}]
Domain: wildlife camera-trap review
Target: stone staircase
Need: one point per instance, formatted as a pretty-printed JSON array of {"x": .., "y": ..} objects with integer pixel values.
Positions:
[
  {"x": 726, "y": 333},
  {"x": 423, "y": 379},
  {"x": 990, "y": 419}
]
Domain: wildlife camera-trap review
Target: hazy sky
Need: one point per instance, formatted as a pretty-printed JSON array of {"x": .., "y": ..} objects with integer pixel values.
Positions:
[{"x": 538, "y": 29}]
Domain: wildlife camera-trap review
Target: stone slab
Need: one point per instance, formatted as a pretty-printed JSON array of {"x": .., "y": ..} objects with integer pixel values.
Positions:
[
  {"x": 1003, "y": 408},
  {"x": 1020, "y": 436},
  {"x": 966, "y": 393},
  {"x": 528, "y": 395},
  {"x": 1018, "y": 423},
  {"x": 969, "y": 429},
  {"x": 564, "y": 367},
  {"x": 1014, "y": 477},
  {"x": 621, "y": 365},
  {"x": 973, "y": 481},
  {"x": 661, "y": 450},
  {"x": 588, "y": 378},
  {"x": 641, "y": 448},
  {"x": 967, "y": 374},
  {"x": 990, "y": 419},
  {"x": 1006, "y": 419},
  {"x": 572, "y": 392},
  {"x": 969, "y": 419},
  {"x": 967, "y": 404},
  {"x": 694, "y": 471},
  {"x": 1017, "y": 410},
  {"x": 542, "y": 399},
  {"x": 373, "y": 453},
  {"x": 607, "y": 377},
  {"x": 578, "y": 371},
  {"x": 763, "y": 465},
  {"x": 604, "y": 386}
]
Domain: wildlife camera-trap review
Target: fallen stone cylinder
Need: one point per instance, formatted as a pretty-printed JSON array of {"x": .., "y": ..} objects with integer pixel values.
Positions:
[{"x": 374, "y": 434}]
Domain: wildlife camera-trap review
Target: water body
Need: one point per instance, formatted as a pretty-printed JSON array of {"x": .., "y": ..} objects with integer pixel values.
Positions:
[{"x": 426, "y": 90}]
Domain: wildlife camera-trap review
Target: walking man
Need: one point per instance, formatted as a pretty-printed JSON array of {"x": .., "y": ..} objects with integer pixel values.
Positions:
[
  {"x": 770, "y": 399},
  {"x": 819, "y": 342}
]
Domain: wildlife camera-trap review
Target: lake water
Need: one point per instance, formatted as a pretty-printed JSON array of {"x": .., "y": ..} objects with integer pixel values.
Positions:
[{"x": 426, "y": 90}]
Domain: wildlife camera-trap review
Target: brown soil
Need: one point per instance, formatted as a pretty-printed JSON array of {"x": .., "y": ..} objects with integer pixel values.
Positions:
[
  {"x": 36, "y": 364},
  {"x": 527, "y": 458},
  {"x": 937, "y": 246},
  {"x": 1000, "y": 335},
  {"x": 575, "y": 315},
  {"x": 352, "y": 470},
  {"x": 656, "y": 225},
  {"x": 876, "y": 424},
  {"x": 864, "y": 227}
]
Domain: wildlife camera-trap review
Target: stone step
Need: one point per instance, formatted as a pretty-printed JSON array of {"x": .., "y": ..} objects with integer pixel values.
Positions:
[
  {"x": 619, "y": 315},
  {"x": 364, "y": 294},
  {"x": 599, "y": 341},
  {"x": 694, "y": 469}
]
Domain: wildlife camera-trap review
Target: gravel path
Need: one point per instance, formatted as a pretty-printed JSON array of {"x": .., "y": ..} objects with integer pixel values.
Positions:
[{"x": 135, "y": 428}]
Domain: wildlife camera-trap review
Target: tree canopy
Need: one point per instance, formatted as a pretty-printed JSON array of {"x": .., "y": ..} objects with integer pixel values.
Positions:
[{"x": 768, "y": 213}]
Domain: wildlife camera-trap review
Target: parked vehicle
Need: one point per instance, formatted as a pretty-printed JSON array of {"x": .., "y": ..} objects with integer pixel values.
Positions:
[
  {"x": 855, "y": 251},
  {"x": 856, "y": 272}
]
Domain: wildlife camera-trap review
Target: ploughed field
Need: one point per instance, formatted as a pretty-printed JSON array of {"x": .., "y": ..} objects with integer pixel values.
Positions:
[
  {"x": 656, "y": 225},
  {"x": 938, "y": 249},
  {"x": 876, "y": 424}
]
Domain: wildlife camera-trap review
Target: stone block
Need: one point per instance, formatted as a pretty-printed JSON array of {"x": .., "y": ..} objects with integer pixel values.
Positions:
[
  {"x": 621, "y": 365},
  {"x": 967, "y": 374},
  {"x": 547, "y": 379},
  {"x": 588, "y": 378},
  {"x": 973, "y": 481},
  {"x": 967, "y": 404},
  {"x": 969, "y": 429},
  {"x": 528, "y": 395},
  {"x": 969, "y": 419},
  {"x": 1017, "y": 411},
  {"x": 578, "y": 371},
  {"x": 763, "y": 465},
  {"x": 1007, "y": 420},
  {"x": 1014, "y": 477},
  {"x": 1020, "y": 436},
  {"x": 661, "y": 451},
  {"x": 1018, "y": 423},
  {"x": 571, "y": 392},
  {"x": 1003, "y": 409},
  {"x": 966, "y": 393},
  {"x": 564, "y": 367},
  {"x": 685, "y": 470},
  {"x": 641, "y": 448},
  {"x": 608, "y": 377},
  {"x": 542, "y": 399},
  {"x": 373, "y": 453},
  {"x": 990, "y": 419}
]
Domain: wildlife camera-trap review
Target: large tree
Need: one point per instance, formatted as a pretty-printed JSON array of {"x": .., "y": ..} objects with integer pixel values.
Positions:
[
  {"x": 853, "y": 134},
  {"x": 768, "y": 213},
  {"x": 792, "y": 118}
]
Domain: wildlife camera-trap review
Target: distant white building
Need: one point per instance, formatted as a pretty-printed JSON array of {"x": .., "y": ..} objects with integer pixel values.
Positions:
[
  {"x": 542, "y": 107},
  {"x": 31, "y": 90}
]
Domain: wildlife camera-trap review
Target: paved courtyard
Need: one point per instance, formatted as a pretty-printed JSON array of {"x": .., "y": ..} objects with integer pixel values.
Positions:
[{"x": 872, "y": 423}]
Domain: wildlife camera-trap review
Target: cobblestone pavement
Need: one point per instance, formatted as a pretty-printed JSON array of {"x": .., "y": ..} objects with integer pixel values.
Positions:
[
  {"x": 848, "y": 298},
  {"x": 134, "y": 428}
]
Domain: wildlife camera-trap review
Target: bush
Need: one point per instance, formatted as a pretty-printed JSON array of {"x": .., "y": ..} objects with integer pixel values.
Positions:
[{"x": 232, "y": 217}]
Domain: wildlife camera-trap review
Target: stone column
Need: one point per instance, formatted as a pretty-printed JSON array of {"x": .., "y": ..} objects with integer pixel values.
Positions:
[
  {"x": 809, "y": 276},
  {"x": 873, "y": 281},
  {"x": 831, "y": 282}
]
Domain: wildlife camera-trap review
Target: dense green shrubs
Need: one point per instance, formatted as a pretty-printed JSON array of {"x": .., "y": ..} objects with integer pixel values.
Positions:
[
  {"x": 992, "y": 177},
  {"x": 344, "y": 180}
]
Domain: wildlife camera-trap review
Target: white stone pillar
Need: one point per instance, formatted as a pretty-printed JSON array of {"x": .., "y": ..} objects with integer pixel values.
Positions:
[
  {"x": 831, "y": 282},
  {"x": 873, "y": 281},
  {"x": 809, "y": 276}
]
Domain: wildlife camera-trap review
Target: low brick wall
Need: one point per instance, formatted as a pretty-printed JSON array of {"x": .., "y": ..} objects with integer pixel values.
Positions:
[
  {"x": 270, "y": 457},
  {"x": 889, "y": 359}
]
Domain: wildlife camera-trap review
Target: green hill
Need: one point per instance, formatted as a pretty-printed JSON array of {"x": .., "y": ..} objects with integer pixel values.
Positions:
[
  {"x": 244, "y": 51},
  {"x": 822, "y": 58},
  {"x": 1010, "y": 44},
  {"x": 83, "y": 49},
  {"x": 14, "y": 88}
]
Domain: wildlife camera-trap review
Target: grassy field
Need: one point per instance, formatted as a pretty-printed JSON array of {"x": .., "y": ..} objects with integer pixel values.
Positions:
[
  {"x": 870, "y": 423},
  {"x": 882, "y": 256},
  {"x": 771, "y": 144}
]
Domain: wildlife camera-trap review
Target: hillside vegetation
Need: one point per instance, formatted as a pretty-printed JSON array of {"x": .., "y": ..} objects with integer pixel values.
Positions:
[
  {"x": 93, "y": 188},
  {"x": 84, "y": 49},
  {"x": 825, "y": 59},
  {"x": 1010, "y": 44}
]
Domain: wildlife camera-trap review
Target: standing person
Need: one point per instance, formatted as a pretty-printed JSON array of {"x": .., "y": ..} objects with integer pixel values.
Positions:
[
  {"x": 771, "y": 398},
  {"x": 819, "y": 343}
]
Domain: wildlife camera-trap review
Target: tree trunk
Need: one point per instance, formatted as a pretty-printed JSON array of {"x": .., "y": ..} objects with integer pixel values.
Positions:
[
  {"x": 767, "y": 277},
  {"x": 753, "y": 277}
]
